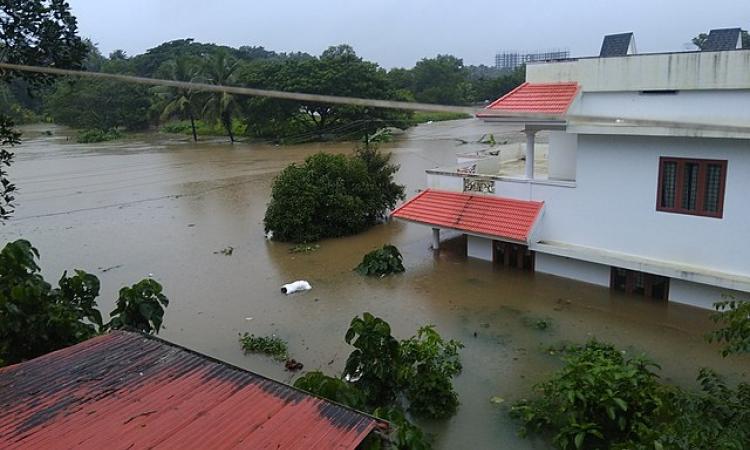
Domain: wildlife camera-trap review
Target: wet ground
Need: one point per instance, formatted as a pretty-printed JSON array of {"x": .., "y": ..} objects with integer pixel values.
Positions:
[{"x": 161, "y": 206}]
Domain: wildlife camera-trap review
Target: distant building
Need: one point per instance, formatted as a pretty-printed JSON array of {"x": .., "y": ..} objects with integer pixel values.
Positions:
[
  {"x": 510, "y": 60},
  {"x": 643, "y": 187}
]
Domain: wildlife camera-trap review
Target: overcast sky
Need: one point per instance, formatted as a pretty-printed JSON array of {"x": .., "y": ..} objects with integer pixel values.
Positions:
[{"x": 397, "y": 33}]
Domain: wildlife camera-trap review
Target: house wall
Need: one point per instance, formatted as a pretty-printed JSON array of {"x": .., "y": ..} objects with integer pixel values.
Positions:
[
  {"x": 479, "y": 248},
  {"x": 613, "y": 205},
  {"x": 701, "y": 295},
  {"x": 573, "y": 268},
  {"x": 562, "y": 158}
]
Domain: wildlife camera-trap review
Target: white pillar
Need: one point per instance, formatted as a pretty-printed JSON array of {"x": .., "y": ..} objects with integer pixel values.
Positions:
[
  {"x": 436, "y": 238},
  {"x": 530, "y": 154}
]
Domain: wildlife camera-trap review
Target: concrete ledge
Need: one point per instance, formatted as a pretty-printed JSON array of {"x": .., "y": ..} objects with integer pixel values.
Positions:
[{"x": 669, "y": 269}]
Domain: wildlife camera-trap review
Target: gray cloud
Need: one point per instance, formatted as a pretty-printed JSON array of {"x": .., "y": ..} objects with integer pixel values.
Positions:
[{"x": 398, "y": 33}]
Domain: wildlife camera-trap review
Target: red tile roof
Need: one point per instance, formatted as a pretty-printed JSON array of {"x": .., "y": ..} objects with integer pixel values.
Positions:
[
  {"x": 539, "y": 98},
  {"x": 487, "y": 215},
  {"x": 126, "y": 390}
]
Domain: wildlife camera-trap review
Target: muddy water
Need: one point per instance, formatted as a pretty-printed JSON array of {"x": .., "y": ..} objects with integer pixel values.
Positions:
[{"x": 155, "y": 205}]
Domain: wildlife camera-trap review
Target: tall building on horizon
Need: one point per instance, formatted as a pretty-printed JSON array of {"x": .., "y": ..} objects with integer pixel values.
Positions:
[{"x": 509, "y": 60}]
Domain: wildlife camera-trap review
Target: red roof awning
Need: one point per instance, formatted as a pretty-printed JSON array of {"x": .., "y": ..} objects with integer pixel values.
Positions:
[
  {"x": 551, "y": 99},
  {"x": 485, "y": 215},
  {"x": 126, "y": 390}
]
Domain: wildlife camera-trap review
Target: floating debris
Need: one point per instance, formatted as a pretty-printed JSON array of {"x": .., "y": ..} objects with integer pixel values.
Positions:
[
  {"x": 297, "y": 286},
  {"x": 293, "y": 365},
  {"x": 226, "y": 251}
]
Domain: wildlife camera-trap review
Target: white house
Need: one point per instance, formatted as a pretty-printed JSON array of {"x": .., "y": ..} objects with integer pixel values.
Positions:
[{"x": 646, "y": 183}]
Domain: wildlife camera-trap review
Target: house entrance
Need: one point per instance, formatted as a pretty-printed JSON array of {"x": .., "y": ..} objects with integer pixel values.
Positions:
[
  {"x": 512, "y": 255},
  {"x": 639, "y": 283}
]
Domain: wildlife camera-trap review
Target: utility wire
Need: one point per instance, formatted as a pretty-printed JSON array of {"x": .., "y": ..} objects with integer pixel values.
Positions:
[{"x": 611, "y": 121}]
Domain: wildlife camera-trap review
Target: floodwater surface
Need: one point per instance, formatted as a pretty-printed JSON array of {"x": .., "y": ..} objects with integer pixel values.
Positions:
[{"x": 162, "y": 206}]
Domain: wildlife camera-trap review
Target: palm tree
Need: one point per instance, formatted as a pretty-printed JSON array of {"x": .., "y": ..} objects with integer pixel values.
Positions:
[
  {"x": 178, "y": 102},
  {"x": 219, "y": 69}
]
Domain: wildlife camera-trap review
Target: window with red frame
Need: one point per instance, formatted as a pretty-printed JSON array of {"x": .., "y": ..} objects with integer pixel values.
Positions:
[{"x": 692, "y": 186}]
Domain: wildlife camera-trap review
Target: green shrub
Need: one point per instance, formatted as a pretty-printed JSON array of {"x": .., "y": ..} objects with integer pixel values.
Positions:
[
  {"x": 381, "y": 262},
  {"x": 334, "y": 389},
  {"x": 140, "y": 307},
  {"x": 93, "y": 136},
  {"x": 268, "y": 345},
  {"x": 330, "y": 196},
  {"x": 35, "y": 318},
  {"x": 734, "y": 318}
]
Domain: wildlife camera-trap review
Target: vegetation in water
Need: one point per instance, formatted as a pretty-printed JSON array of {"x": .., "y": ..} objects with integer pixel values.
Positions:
[
  {"x": 304, "y": 248},
  {"x": 36, "y": 318},
  {"x": 389, "y": 378},
  {"x": 733, "y": 317},
  {"x": 331, "y": 196},
  {"x": 268, "y": 345},
  {"x": 602, "y": 398},
  {"x": 381, "y": 262},
  {"x": 92, "y": 136},
  {"x": 424, "y": 117}
]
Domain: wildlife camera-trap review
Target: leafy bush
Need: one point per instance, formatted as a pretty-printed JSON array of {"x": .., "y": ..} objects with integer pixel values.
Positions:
[
  {"x": 329, "y": 196},
  {"x": 601, "y": 399},
  {"x": 598, "y": 399},
  {"x": 92, "y": 136},
  {"x": 140, "y": 307},
  {"x": 36, "y": 319},
  {"x": 268, "y": 345},
  {"x": 385, "y": 376},
  {"x": 734, "y": 316},
  {"x": 432, "y": 363},
  {"x": 381, "y": 262}
]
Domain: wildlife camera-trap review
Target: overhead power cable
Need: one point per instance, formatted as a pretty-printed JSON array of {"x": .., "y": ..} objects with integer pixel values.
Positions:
[{"x": 612, "y": 121}]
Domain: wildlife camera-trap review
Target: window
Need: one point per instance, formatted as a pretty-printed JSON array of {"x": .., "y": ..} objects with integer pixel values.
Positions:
[
  {"x": 692, "y": 186},
  {"x": 639, "y": 283}
]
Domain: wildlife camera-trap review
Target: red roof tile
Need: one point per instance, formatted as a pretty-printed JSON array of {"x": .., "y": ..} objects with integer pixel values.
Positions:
[
  {"x": 126, "y": 390},
  {"x": 486, "y": 215},
  {"x": 539, "y": 98}
]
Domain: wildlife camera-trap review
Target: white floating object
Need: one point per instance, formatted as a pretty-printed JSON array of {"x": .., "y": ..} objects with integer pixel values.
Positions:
[
  {"x": 297, "y": 286},
  {"x": 269, "y": 235}
]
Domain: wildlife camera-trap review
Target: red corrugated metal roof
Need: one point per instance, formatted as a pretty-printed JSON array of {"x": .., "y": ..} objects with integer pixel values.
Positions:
[
  {"x": 540, "y": 98},
  {"x": 486, "y": 215},
  {"x": 126, "y": 390}
]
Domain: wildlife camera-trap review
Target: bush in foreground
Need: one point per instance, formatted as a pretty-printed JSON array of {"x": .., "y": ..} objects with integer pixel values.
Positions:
[
  {"x": 331, "y": 196},
  {"x": 603, "y": 399}
]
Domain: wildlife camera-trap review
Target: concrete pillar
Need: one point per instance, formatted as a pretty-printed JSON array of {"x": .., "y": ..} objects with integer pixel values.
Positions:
[
  {"x": 530, "y": 154},
  {"x": 436, "y": 238}
]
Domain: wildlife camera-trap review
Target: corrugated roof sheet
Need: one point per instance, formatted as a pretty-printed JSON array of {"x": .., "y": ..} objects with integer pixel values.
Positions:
[
  {"x": 485, "y": 215},
  {"x": 129, "y": 391},
  {"x": 616, "y": 45},
  {"x": 538, "y": 98},
  {"x": 722, "y": 40}
]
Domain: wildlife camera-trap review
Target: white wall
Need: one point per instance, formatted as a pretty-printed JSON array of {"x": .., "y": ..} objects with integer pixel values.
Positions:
[
  {"x": 445, "y": 182},
  {"x": 572, "y": 268},
  {"x": 685, "y": 70},
  {"x": 479, "y": 248},
  {"x": 562, "y": 155},
  {"x": 613, "y": 205},
  {"x": 700, "y": 295}
]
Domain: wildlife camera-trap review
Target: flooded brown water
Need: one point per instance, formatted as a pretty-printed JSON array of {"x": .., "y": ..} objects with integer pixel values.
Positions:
[{"x": 157, "y": 205}]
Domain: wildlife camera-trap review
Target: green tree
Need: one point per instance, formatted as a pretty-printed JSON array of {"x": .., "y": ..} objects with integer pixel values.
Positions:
[
  {"x": 140, "y": 307},
  {"x": 178, "y": 102},
  {"x": 442, "y": 80},
  {"x": 328, "y": 196},
  {"x": 734, "y": 333},
  {"x": 33, "y": 32},
  {"x": 220, "y": 69}
]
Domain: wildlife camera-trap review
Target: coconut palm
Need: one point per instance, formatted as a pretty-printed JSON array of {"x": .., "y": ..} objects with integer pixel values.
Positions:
[
  {"x": 219, "y": 69},
  {"x": 180, "y": 103}
]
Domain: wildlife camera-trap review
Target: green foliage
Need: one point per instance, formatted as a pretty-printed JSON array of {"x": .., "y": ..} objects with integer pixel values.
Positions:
[
  {"x": 179, "y": 103},
  {"x": 8, "y": 138},
  {"x": 441, "y": 80},
  {"x": 734, "y": 333},
  {"x": 140, "y": 307},
  {"x": 374, "y": 367},
  {"x": 424, "y": 117},
  {"x": 93, "y": 136},
  {"x": 329, "y": 196},
  {"x": 35, "y": 318},
  {"x": 599, "y": 398},
  {"x": 334, "y": 389},
  {"x": 220, "y": 69},
  {"x": 381, "y": 262},
  {"x": 432, "y": 363},
  {"x": 268, "y": 345},
  {"x": 382, "y": 374},
  {"x": 304, "y": 248}
]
